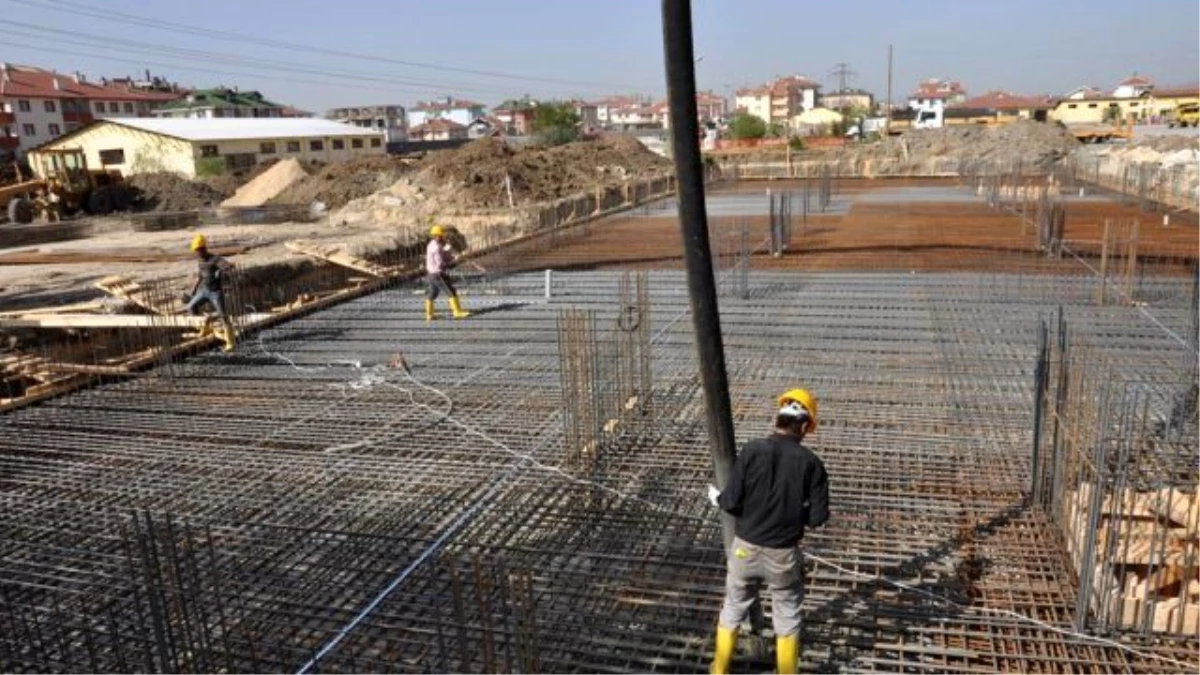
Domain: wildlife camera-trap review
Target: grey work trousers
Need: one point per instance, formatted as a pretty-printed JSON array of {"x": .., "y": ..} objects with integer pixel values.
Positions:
[{"x": 751, "y": 566}]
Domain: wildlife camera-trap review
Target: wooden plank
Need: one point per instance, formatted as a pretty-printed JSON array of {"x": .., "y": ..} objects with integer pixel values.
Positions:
[
  {"x": 78, "y": 307},
  {"x": 336, "y": 254},
  {"x": 107, "y": 255},
  {"x": 115, "y": 321}
]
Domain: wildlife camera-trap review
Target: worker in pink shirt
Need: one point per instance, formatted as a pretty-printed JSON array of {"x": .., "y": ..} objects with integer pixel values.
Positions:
[{"x": 438, "y": 259}]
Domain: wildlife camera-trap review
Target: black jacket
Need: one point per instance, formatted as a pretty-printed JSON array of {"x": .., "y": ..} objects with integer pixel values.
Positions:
[{"x": 776, "y": 489}]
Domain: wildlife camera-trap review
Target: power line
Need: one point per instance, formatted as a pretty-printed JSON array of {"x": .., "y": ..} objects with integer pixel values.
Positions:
[
  {"x": 843, "y": 72},
  {"x": 110, "y": 15},
  {"x": 157, "y": 50}
]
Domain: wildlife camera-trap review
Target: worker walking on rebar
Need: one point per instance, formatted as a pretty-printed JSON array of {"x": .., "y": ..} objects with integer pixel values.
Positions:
[
  {"x": 439, "y": 257},
  {"x": 209, "y": 289},
  {"x": 776, "y": 489}
]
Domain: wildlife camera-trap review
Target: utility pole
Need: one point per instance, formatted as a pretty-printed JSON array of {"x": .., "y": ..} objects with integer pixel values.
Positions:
[
  {"x": 693, "y": 223},
  {"x": 887, "y": 124},
  {"x": 842, "y": 72}
]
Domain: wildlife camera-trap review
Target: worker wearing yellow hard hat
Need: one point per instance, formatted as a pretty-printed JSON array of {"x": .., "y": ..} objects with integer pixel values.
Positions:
[
  {"x": 209, "y": 289},
  {"x": 439, "y": 258},
  {"x": 776, "y": 489}
]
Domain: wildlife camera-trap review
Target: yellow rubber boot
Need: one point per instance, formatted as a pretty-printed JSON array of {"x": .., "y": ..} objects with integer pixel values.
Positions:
[
  {"x": 787, "y": 653},
  {"x": 206, "y": 329},
  {"x": 430, "y": 314},
  {"x": 456, "y": 308},
  {"x": 229, "y": 336},
  {"x": 726, "y": 644}
]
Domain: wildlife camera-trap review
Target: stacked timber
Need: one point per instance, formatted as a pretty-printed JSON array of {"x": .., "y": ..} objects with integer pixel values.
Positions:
[{"x": 1146, "y": 556}]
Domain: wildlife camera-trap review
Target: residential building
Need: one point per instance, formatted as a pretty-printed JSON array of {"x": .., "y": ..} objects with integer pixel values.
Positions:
[
  {"x": 1005, "y": 105},
  {"x": 388, "y": 118},
  {"x": 847, "y": 99},
  {"x": 1133, "y": 86},
  {"x": 438, "y": 129},
  {"x": 754, "y": 101},
  {"x": 192, "y": 147},
  {"x": 293, "y": 112},
  {"x": 459, "y": 111},
  {"x": 709, "y": 108},
  {"x": 517, "y": 115},
  {"x": 589, "y": 115},
  {"x": 38, "y": 105},
  {"x": 1079, "y": 93},
  {"x": 220, "y": 102},
  {"x": 639, "y": 117},
  {"x": 617, "y": 106},
  {"x": 485, "y": 127},
  {"x": 1152, "y": 105},
  {"x": 930, "y": 100},
  {"x": 779, "y": 101}
]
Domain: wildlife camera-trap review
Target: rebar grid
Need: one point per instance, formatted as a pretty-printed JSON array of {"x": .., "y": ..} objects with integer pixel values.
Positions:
[{"x": 304, "y": 475}]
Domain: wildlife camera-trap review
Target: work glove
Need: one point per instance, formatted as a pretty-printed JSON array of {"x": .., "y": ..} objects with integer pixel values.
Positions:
[{"x": 713, "y": 494}]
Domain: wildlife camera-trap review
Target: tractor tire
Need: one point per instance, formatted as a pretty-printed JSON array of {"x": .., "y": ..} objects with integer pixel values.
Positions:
[
  {"x": 122, "y": 197},
  {"x": 20, "y": 211},
  {"x": 100, "y": 202}
]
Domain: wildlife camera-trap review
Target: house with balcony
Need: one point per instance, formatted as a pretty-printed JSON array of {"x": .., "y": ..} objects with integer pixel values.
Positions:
[
  {"x": 389, "y": 118},
  {"x": 39, "y": 105},
  {"x": 777, "y": 102}
]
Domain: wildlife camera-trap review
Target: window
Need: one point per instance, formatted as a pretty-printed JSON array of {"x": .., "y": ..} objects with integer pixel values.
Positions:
[
  {"x": 55, "y": 130},
  {"x": 49, "y": 106},
  {"x": 112, "y": 156},
  {"x": 99, "y": 105},
  {"x": 266, "y": 148},
  {"x": 356, "y": 143},
  {"x": 316, "y": 146},
  {"x": 1133, "y": 105},
  {"x": 209, "y": 151},
  {"x": 1092, "y": 105},
  {"x": 28, "y": 130},
  {"x": 113, "y": 107},
  {"x": 339, "y": 144},
  {"x": 128, "y": 107},
  {"x": 375, "y": 142},
  {"x": 293, "y": 146},
  {"x": 23, "y": 105},
  {"x": 1072, "y": 106}
]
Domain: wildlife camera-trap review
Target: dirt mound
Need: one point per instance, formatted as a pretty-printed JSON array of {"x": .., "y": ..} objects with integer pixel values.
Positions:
[
  {"x": 172, "y": 192},
  {"x": 268, "y": 184},
  {"x": 478, "y": 172},
  {"x": 1032, "y": 143},
  {"x": 337, "y": 184}
]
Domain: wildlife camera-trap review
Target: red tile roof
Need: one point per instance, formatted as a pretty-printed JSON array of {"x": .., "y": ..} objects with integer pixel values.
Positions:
[
  {"x": 1136, "y": 81},
  {"x": 938, "y": 89},
  {"x": 439, "y": 124},
  {"x": 761, "y": 90},
  {"x": 1006, "y": 100},
  {"x": 18, "y": 81},
  {"x": 1168, "y": 92}
]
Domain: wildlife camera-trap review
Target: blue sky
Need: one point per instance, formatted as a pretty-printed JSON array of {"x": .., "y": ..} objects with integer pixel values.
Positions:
[{"x": 568, "y": 48}]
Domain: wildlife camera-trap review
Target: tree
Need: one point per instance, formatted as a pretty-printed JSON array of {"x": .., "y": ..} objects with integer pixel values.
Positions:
[
  {"x": 1111, "y": 114},
  {"x": 555, "y": 123},
  {"x": 745, "y": 125}
]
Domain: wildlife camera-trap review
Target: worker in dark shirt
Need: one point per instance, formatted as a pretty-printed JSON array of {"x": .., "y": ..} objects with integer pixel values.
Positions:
[
  {"x": 777, "y": 488},
  {"x": 209, "y": 289}
]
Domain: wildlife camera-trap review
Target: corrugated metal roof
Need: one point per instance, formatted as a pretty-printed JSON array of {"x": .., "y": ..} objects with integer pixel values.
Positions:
[{"x": 242, "y": 128}]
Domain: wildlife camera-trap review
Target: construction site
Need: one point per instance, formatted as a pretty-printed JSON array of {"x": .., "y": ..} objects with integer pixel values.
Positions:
[{"x": 1004, "y": 347}]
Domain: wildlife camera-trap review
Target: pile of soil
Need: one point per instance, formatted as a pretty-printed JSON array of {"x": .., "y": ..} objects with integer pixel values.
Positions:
[
  {"x": 167, "y": 191},
  {"x": 335, "y": 185},
  {"x": 1032, "y": 143},
  {"x": 477, "y": 172},
  {"x": 268, "y": 184}
]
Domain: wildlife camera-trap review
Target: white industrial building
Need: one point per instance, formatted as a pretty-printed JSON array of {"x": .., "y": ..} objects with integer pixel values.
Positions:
[{"x": 197, "y": 147}]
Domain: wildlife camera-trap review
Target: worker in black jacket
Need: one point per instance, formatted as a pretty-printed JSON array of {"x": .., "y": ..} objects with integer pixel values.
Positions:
[{"x": 776, "y": 489}]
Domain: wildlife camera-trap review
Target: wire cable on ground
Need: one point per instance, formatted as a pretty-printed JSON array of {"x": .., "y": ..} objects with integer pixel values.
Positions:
[{"x": 528, "y": 458}]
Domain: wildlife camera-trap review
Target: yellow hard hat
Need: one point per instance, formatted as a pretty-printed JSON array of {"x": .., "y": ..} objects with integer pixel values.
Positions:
[
  {"x": 805, "y": 399},
  {"x": 199, "y": 241},
  {"x": 437, "y": 231}
]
